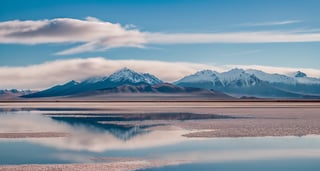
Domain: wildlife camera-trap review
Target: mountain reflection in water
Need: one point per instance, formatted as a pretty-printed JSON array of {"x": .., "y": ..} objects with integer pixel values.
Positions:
[
  {"x": 138, "y": 137},
  {"x": 88, "y": 133},
  {"x": 123, "y": 132},
  {"x": 127, "y": 131}
]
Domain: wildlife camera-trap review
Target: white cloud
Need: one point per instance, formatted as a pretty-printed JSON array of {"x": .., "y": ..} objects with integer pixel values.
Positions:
[
  {"x": 97, "y": 35},
  {"x": 50, "y": 73},
  {"x": 56, "y": 72},
  {"x": 273, "y": 23},
  {"x": 232, "y": 37}
]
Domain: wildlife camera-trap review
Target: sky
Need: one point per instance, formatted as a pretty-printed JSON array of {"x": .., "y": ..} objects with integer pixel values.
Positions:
[{"x": 167, "y": 38}]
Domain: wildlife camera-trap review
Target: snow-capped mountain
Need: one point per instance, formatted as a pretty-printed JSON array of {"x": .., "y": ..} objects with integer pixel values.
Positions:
[
  {"x": 300, "y": 74},
  {"x": 124, "y": 76},
  {"x": 248, "y": 77},
  {"x": 234, "y": 77},
  {"x": 298, "y": 82},
  {"x": 272, "y": 78},
  {"x": 128, "y": 75},
  {"x": 302, "y": 78},
  {"x": 200, "y": 76},
  {"x": 13, "y": 93},
  {"x": 297, "y": 78},
  {"x": 205, "y": 78},
  {"x": 236, "y": 82},
  {"x": 250, "y": 82},
  {"x": 239, "y": 78}
]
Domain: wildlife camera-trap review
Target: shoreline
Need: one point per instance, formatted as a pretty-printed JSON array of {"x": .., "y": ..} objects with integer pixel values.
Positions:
[
  {"x": 155, "y": 101},
  {"x": 117, "y": 165}
]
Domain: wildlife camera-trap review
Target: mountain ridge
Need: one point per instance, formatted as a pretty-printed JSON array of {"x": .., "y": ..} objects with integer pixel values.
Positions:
[
  {"x": 236, "y": 82},
  {"x": 120, "y": 77},
  {"x": 239, "y": 82}
]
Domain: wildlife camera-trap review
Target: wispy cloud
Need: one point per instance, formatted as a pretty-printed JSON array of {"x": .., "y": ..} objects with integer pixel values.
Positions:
[
  {"x": 232, "y": 37},
  {"x": 93, "y": 33},
  {"x": 272, "y": 23},
  {"x": 97, "y": 35},
  {"x": 56, "y": 72}
]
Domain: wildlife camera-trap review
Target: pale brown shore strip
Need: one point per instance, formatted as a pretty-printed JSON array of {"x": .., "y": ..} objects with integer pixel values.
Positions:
[
  {"x": 254, "y": 127},
  {"x": 34, "y": 134},
  {"x": 113, "y": 166},
  {"x": 124, "y": 107},
  {"x": 156, "y": 100}
]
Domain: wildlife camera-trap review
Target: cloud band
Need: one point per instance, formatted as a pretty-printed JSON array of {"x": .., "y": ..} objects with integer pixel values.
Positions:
[
  {"x": 97, "y": 35},
  {"x": 56, "y": 72}
]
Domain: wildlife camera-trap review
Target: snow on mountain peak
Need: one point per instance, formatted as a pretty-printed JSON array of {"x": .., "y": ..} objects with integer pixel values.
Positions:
[
  {"x": 200, "y": 76},
  {"x": 94, "y": 79},
  {"x": 151, "y": 79},
  {"x": 272, "y": 78},
  {"x": 234, "y": 74},
  {"x": 248, "y": 77},
  {"x": 206, "y": 72},
  {"x": 233, "y": 77},
  {"x": 129, "y": 75},
  {"x": 15, "y": 91},
  {"x": 72, "y": 82},
  {"x": 125, "y": 75},
  {"x": 238, "y": 77},
  {"x": 300, "y": 74}
]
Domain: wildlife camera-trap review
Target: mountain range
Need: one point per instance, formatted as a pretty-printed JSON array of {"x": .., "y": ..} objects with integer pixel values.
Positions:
[
  {"x": 239, "y": 82},
  {"x": 124, "y": 81},
  {"x": 205, "y": 83}
]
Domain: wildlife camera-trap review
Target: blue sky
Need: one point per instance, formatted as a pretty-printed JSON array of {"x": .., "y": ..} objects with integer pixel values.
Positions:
[{"x": 170, "y": 19}]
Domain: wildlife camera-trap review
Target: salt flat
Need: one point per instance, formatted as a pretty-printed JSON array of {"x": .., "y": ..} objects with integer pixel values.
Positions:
[
  {"x": 196, "y": 120},
  {"x": 254, "y": 118}
]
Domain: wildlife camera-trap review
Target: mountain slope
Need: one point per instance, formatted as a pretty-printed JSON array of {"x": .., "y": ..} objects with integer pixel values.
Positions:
[
  {"x": 299, "y": 82},
  {"x": 238, "y": 82},
  {"x": 235, "y": 82},
  {"x": 157, "y": 89},
  {"x": 121, "y": 77}
]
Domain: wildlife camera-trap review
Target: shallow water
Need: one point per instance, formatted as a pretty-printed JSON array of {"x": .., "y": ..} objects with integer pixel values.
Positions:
[{"x": 93, "y": 141}]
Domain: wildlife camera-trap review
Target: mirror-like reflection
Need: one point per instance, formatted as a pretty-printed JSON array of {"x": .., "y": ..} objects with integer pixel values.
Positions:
[
  {"x": 90, "y": 138},
  {"x": 86, "y": 133}
]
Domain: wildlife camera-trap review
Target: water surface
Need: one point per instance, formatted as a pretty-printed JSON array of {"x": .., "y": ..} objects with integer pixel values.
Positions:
[{"x": 92, "y": 141}]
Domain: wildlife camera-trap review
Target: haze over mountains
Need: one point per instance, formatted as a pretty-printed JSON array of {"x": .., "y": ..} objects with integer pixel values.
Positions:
[{"x": 205, "y": 83}]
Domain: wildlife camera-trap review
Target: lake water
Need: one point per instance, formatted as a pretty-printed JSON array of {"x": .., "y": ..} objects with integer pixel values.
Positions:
[{"x": 97, "y": 138}]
